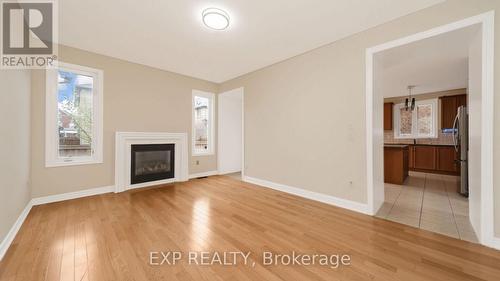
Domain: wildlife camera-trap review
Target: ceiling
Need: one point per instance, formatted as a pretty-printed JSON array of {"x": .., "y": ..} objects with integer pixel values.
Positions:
[
  {"x": 169, "y": 34},
  {"x": 435, "y": 64}
]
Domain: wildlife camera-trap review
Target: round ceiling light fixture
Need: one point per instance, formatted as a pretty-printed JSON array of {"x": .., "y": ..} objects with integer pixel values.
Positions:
[{"x": 215, "y": 18}]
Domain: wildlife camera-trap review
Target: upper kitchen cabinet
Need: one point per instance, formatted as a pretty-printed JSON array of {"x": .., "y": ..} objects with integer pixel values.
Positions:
[
  {"x": 461, "y": 100},
  {"x": 449, "y": 106},
  {"x": 388, "y": 116}
]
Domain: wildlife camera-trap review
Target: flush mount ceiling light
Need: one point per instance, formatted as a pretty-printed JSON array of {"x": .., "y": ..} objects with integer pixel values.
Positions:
[{"x": 215, "y": 18}]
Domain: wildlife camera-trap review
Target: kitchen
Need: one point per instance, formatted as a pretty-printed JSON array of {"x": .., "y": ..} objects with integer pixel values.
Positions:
[
  {"x": 432, "y": 155},
  {"x": 429, "y": 166},
  {"x": 425, "y": 162}
]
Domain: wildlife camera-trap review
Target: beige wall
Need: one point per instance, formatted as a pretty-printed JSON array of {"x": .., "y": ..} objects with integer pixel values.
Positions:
[
  {"x": 305, "y": 117},
  {"x": 136, "y": 98},
  {"x": 15, "y": 192}
]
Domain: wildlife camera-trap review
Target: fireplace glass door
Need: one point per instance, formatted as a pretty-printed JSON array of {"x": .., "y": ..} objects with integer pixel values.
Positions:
[{"x": 152, "y": 162}]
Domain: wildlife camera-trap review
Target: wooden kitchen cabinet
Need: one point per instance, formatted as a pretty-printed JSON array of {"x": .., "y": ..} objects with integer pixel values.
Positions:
[
  {"x": 411, "y": 157},
  {"x": 388, "y": 116},
  {"x": 395, "y": 163},
  {"x": 438, "y": 159},
  {"x": 461, "y": 100},
  {"x": 424, "y": 157},
  {"x": 435, "y": 159},
  {"x": 446, "y": 159},
  {"x": 449, "y": 106}
]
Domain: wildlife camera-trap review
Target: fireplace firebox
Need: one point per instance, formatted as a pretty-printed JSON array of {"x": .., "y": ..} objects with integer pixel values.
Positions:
[{"x": 152, "y": 162}]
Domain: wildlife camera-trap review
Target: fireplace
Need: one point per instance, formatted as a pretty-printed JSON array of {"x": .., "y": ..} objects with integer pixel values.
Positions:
[
  {"x": 123, "y": 157},
  {"x": 152, "y": 162}
]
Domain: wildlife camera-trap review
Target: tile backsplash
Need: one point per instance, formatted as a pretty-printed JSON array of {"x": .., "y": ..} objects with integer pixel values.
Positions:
[{"x": 442, "y": 139}]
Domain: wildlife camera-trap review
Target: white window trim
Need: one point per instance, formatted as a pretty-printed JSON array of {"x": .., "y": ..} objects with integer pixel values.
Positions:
[
  {"x": 210, "y": 134},
  {"x": 52, "y": 158},
  {"x": 414, "y": 129}
]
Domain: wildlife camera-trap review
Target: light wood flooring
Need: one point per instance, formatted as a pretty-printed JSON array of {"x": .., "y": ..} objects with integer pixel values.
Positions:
[{"x": 110, "y": 236}]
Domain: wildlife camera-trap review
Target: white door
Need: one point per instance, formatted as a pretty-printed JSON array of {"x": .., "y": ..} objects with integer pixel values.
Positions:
[{"x": 230, "y": 131}]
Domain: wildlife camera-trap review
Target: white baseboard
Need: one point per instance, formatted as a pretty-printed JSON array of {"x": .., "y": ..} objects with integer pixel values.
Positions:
[
  {"x": 7, "y": 241},
  {"x": 72, "y": 195},
  {"x": 9, "y": 238},
  {"x": 328, "y": 199},
  {"x": 203, "y": 174},
  {"x": 339, "y": 202},
  {"x": 230, "y": 172},
  {"x": 494, "y": 243}
]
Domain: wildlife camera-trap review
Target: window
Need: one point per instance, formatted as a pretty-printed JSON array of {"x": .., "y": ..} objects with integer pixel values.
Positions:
[
  {"x": 203, "y": 112},
  {"x": 419, "y": 123},
  {"x": 73, "y": 116}
]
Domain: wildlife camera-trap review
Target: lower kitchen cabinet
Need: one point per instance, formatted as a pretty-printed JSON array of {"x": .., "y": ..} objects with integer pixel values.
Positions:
[
  {"x": 440, "y": 159},
  {"x": 411, "y": 157},
  {"x": 424, "y": 157},
  {"x": 446, "y": 159},
  {"x": 395, "y": 163}
]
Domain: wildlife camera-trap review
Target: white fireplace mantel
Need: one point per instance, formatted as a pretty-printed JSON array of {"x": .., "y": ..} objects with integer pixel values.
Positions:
[{"x": 123, "y": 143}]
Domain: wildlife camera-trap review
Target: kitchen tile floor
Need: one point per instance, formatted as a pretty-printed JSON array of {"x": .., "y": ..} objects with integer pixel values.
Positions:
[{"x": 430, "y": 202}]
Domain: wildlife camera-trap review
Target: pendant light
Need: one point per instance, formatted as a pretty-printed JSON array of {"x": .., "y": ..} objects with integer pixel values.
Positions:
[{"x": 410, "y": 101}]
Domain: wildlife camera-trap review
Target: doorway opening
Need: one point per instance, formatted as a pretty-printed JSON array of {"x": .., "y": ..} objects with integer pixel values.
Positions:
[
  {"x": 231, "y": 133},
  {"x": 426, "y": 156},
  {"x": 448, "y": 69}
]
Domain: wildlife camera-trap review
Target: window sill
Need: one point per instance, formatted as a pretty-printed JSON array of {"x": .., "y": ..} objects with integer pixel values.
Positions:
[
  {"x": 203, "y": 154},
  {"x": 71, "y": 163},
  {"x": 415, "y": 138}
]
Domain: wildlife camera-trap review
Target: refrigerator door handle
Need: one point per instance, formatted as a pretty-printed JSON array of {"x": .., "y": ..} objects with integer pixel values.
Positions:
[{"x": 455, "y": 132}]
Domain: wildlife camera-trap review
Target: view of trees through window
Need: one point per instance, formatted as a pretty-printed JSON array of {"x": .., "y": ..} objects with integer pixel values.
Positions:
[
  {"x": 417, "y": 123},
  {"x": 424, "y": 117},
  {"x": 201, "y": 115},
  {"x": 74, "y": 102},
  {"x": 405, "y": 122}
]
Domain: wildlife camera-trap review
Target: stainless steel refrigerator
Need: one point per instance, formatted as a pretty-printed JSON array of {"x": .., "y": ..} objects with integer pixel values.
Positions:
[{"x": 461, "y": 143}]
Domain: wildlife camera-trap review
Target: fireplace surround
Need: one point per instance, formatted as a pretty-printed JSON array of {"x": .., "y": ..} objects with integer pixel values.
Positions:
[{"x": 125, "y": 142}]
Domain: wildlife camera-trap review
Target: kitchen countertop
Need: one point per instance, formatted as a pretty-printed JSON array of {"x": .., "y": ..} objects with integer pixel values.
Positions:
[
  {"x": 418, "y": 144},
  {"x": 389, "y": 145}
]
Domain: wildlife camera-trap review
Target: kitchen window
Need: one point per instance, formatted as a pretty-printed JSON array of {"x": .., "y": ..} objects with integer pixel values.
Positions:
[
  {"x": 419, "y": 123},
  {"x": 73, "y": 115},
  {"x": 203, "y": 123}
]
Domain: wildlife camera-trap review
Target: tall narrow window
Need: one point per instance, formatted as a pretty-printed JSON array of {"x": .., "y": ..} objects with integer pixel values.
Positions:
[
  {"x": 73, "y": 115},
  {"x": 405, "y": 121},
  {"x": 424, "y": 119},
  {"x": 202, "y": 108},
  {"x": 419, "y": 123}
]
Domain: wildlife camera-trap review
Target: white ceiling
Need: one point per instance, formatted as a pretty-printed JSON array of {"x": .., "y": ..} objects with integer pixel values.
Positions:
[
  {"x": 169, "y": 34},
  {"x": 436, "y": 64}
]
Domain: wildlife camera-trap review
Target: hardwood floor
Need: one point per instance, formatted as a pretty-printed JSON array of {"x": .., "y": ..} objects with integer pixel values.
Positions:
[{"x": 110, "y": 237}]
